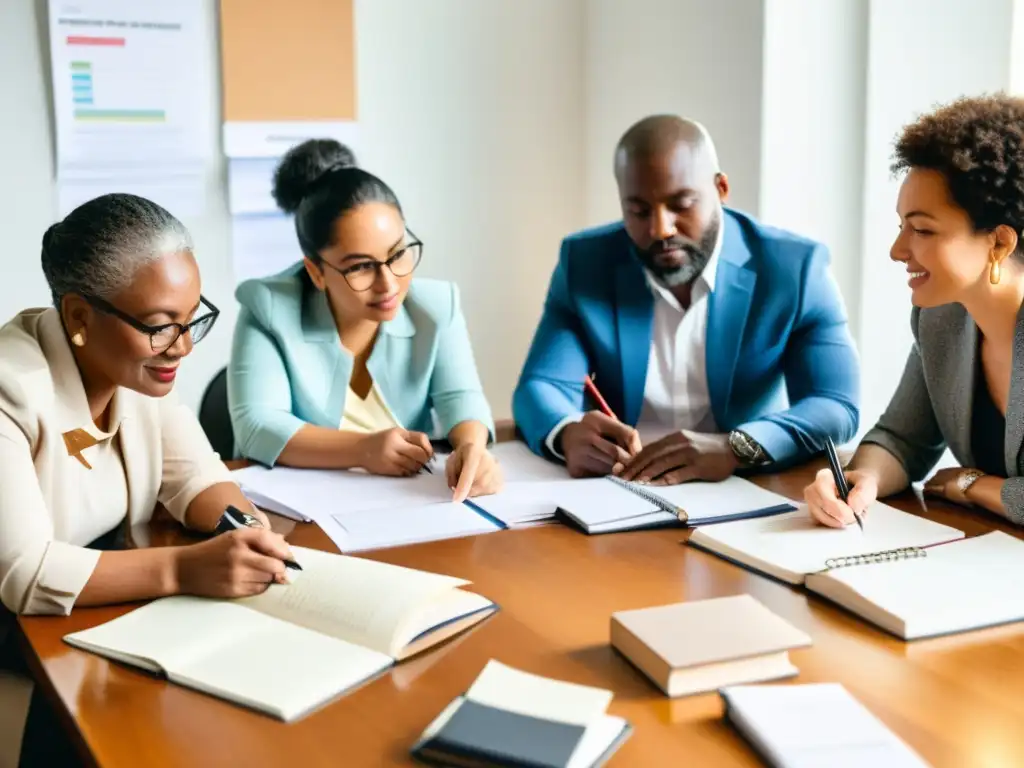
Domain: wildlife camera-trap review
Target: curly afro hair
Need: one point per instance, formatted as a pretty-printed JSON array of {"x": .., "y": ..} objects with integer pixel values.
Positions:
[{"x": 977, "y": 144}]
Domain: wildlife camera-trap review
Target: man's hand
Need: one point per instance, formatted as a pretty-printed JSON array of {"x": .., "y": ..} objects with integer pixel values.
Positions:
[
  {"x": 681, "y": 457},
  {"x": 597, "y": 443}
]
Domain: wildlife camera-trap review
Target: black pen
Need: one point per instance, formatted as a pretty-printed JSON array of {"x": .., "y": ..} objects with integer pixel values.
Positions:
[
  {"x": 233, "y": 518},
  {"x": 839, "y": 476}
]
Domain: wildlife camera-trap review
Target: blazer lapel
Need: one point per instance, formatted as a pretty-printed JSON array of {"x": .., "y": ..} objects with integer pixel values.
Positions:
[
  {"x": 634, "y": 317},
  {"x": 954, "y": 388},
  {"x": 1015, "y": 403},
  {"x": 728, "y": 308},
  {"x": 141, "y": 472},
  {"x": 320, "y": 332},
  {"x": 390, "y": 358}
]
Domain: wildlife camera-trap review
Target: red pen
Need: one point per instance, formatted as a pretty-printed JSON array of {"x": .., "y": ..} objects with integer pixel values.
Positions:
[{"x": 591, "y": 389}]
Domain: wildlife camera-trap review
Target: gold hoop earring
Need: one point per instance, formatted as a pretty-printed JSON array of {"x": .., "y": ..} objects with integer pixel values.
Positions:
[
  {"x": 78, "y": 339},
  {"x": 995, "y": 272}
]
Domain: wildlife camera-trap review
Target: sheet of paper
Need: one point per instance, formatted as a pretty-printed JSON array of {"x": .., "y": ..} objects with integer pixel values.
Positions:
[
  {"x": 519, "y": 464},
  {"x": 808, "y": 726},
  {"x": 263, "y": 244},
  {"x": 510, "y": 689},
  {"x": 795, "y": 542},
  {"x": 400, "y": 525},
  {"x": 129, "y": 88},
  {"x": 358, "y": 600},
  {"x": 182, "y": 191},
  {"x": 271, "y": 139},
  {"x": 317, "y": 493},
  {"x": 599, "y": 500},
  {"x": 526, "y": 502}
]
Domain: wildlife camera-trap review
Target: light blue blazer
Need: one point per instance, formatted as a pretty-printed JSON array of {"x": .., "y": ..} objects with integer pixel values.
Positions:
[
  {"x": 288, "y": 367},
  {"x": 781, "y": 363}
]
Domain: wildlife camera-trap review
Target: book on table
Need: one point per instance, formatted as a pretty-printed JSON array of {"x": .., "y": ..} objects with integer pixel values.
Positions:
[
  {"x": 341, "y": 622},
  {"x": 699, "y": 646},
  {"x": 514, "y": 718}
]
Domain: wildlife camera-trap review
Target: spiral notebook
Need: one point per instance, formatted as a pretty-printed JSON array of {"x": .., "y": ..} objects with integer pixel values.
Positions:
[
  {"x": 791, "y": 546},
  {"x": 608, "y": 504},
  {"x": 917, "y": 592}
]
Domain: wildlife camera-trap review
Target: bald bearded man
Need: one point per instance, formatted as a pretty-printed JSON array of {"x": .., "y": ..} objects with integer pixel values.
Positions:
[{"x": 719, "y": 343}]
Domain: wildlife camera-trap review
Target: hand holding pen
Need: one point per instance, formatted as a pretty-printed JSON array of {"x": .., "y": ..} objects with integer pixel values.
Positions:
[
  {"x": 837, "y": 498},
  {"x": 599, "y": 441}
]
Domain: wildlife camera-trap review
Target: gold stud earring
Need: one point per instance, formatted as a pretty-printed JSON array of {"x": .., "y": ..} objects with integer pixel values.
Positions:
[
  {"x": 995, "y": 272},
  {"x": 78, "y": 339}
]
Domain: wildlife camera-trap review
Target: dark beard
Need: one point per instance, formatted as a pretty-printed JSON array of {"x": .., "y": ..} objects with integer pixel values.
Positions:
[{"x": 697, "y": 256}]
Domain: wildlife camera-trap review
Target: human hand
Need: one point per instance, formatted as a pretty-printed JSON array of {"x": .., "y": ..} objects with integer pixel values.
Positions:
[
  {"x": 396, "y": 452},
  {"x": 240, "y": 563},
  {"x": 827, "y": 508},
  {"x": 951, "y": 484},
  {"x": 681, "y": 457},
  {"x": 472, "y": 470},
  {"x": 597, "y": 443}
]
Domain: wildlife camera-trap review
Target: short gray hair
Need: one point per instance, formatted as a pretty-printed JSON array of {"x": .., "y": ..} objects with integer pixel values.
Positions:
[{"x": 100, "y": 246}]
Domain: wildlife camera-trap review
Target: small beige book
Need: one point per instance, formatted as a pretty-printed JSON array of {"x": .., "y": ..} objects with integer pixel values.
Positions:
[{"x": 688, "y": 648}]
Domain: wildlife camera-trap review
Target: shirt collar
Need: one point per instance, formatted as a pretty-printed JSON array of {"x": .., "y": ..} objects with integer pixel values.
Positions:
[{"x": 707, "y": 277}]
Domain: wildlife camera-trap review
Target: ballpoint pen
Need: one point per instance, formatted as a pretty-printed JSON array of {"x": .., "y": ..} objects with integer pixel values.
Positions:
[
  {"x": 234, "y": 518},
  {"x": 839, "y": 476}
]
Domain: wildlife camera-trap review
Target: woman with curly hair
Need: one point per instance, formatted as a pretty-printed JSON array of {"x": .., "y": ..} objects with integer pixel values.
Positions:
[{"x": 961, "y": 212}]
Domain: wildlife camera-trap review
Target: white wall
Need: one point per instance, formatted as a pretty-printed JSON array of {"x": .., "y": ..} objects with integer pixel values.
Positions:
[
  {"x": 690, "y": 57},
  {"x": 495, "y": 121},
  {"x": 812, "y": 138},
  {"x": 481, "y": 142}
]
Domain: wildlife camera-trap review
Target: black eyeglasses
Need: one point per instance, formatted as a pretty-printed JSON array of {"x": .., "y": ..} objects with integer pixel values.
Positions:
[
  {"x": 162, "y": 337},
  {"x": 361, "y": 276}
]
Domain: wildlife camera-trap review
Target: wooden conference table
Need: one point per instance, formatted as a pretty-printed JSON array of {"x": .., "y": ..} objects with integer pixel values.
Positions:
[{"x": 958, "y": 700}]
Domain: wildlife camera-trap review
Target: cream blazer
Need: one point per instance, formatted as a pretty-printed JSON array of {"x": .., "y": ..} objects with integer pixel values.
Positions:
[{"x": 45, "y": 432}]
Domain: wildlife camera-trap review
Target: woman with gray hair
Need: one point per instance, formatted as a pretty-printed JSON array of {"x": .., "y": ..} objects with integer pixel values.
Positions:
[{"x": 91, "y": 438}]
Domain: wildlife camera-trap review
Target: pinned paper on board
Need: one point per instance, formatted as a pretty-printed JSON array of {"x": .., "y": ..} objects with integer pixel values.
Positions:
[
  {"x": 271, "y": 103},
  {"x": 132, "y": 99}
]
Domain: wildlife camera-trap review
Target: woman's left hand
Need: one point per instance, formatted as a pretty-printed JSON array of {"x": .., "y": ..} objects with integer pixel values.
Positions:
[
  {"x": 946, "y": 484},
  {"x": 473, "y": 471}
]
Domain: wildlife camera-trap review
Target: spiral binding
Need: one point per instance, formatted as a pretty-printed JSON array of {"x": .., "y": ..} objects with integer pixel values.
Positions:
[
  {"x": 644, "y": 494},
  {"x": 887, "y": 556}
]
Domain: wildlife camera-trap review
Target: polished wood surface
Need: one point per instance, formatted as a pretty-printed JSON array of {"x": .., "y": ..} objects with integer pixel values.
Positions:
[{"x": 956, "y": 700}]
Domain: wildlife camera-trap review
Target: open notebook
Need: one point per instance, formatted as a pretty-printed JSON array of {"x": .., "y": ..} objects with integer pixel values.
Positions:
[
  {"x": 341, "y": 622},
  {"x": 608, "y": 504},
  {"x": 940, "y": 590},
  {"x": 790, "y": 546}
]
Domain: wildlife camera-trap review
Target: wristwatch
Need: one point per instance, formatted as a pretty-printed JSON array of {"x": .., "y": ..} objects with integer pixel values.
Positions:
[
  {"x": 747, "y": 450},
  {"x": 967, "y": 478}
]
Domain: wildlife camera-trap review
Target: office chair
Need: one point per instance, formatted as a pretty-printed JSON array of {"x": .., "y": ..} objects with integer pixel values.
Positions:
[{"x": 215, "y": 418}]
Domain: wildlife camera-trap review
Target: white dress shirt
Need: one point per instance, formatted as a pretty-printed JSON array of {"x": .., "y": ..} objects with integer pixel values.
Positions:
[{"x": 676, "y": 394}]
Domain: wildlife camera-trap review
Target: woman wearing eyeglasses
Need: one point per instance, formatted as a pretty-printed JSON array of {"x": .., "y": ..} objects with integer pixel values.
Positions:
[
  {"x": 91, "y": 438},
  {"x": 344, "y": 360}
]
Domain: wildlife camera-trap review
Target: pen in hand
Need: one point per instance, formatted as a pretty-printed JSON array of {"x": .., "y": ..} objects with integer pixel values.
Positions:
[
  {"x": 842, "y": 486},
  {"x": 234, "y": 518}
]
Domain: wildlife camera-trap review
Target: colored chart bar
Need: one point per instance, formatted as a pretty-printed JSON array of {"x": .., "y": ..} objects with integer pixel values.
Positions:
[
  {"x": 81, "y": 66},
  {"x": 107, "y": 41},
  {"x": 121, "y": 115}
]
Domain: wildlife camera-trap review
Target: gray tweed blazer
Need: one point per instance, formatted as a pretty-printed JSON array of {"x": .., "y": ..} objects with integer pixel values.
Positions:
[{"x": 933, "y": 404}]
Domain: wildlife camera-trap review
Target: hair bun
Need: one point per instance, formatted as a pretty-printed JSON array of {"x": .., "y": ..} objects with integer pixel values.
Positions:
[{"x": 305, "y": 164}]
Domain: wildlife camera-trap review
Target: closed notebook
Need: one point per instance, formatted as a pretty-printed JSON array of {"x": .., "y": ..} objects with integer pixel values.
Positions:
[
  {"x": 700, "y": 646},
  {"x": 608, "y": 504},
  {"x": 819, "y": 725},
  {"x": 513, "y": 718},
  {"x": 938, "y": 590},
  {"x": 790, "y": 546},
  {"x": 341, "y": 622}
]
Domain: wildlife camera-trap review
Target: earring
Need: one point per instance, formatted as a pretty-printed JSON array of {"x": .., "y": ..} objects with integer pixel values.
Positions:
[
  {"x": 78, "y": 339},
  {"x": 995, "y": 272}
]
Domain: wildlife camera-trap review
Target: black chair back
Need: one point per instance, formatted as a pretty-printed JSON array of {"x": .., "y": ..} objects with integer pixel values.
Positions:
[{"x": 215, "y": 418}]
